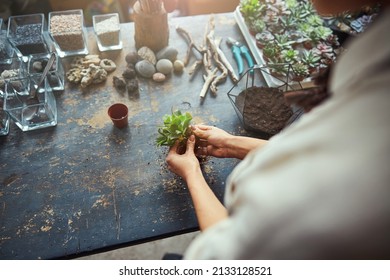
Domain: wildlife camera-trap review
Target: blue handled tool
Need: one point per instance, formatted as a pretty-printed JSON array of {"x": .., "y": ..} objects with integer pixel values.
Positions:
[{"x": 239, "y": 50}]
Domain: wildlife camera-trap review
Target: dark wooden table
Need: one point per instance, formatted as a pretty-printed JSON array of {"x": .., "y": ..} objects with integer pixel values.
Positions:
[{"x": 85, "y": 186}]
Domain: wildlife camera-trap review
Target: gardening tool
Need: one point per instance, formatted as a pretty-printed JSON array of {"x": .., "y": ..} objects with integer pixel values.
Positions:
[
  {"x": 33, "y": 99},
  {"x": 239, "y": 50}
]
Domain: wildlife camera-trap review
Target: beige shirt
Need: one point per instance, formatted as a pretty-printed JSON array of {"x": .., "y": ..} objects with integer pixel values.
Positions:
[{"x": 321, "y": 188}]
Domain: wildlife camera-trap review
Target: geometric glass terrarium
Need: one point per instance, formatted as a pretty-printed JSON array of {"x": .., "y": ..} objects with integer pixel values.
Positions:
[{"x": 260, "y": 108}]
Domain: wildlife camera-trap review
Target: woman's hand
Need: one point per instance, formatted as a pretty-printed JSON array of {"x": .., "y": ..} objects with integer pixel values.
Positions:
[
  {"x": 213, "y": 141},
  {"x": 218, "y": 143},
  {"x": 185, "y": 164}
]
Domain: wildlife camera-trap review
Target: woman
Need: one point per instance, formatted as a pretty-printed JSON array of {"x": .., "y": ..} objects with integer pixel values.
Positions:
[{"x": 319, "y": 189}]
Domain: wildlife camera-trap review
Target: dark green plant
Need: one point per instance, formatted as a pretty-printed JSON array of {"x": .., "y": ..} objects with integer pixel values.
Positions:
[
  {"x": 300, "y": 71},
  {"x": 176, "y": 127},
  {"x": 289, "y": 55},
  {"x": 310, "y": 58},
  {"x": 251, "y": 8},
  {"x": 271, "y": 50}
]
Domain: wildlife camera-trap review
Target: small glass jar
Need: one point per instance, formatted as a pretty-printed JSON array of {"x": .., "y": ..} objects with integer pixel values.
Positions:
[
  {"x": 10, "y": 69},
  {"x": 4, "y": 118},
  {"x": 26, "y": 34},
  {"x": 6, "y": 50},
  {"x": 30, "y": 112},
  {"x": 36, "y": 64},
  {"x": 68, "y": 32},
  {"x": 107, "y": 31}
]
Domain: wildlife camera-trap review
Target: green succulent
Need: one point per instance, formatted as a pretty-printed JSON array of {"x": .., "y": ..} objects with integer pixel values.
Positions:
[
  {"x": 283, "y": 41},
  {"x": 310, "y": 58},
  {"x": 257, "y": 26},
  {"x": 271, "y": 50},
  {"x": 176, "y": 127},
  {"x": 251, "y": 8},
  {"x": 300, "y": 70},
  {"x": 290, "y": 55}
]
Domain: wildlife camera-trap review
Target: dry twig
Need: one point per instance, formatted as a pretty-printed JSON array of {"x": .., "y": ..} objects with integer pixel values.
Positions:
[
  {"x": 214, "y": 44},
  {"x": 190, "y": 42},
  {"x": 211, "y": 55}
]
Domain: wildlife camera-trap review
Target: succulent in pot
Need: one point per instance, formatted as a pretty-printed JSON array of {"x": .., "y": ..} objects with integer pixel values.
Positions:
[
  {"x": 256, "y": 26},
  {"x": 283, "y": 41},
  {"x": 263, "y": 38},
  {"x": 277, "y": 67},
  {"x": 311, "y": 59},
  {"x": 289, "y": 55},
  {"x": 271, "y": 51},
  {"x": 251, "y": 8},
  {"x": 299, "y": 71}
]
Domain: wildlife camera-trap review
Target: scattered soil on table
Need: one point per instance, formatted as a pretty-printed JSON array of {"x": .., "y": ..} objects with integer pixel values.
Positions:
[{"x": 263, "y": 109}]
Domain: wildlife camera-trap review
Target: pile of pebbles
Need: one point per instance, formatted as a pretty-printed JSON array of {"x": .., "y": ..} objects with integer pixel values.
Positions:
[{"x": 146, "y": 64}]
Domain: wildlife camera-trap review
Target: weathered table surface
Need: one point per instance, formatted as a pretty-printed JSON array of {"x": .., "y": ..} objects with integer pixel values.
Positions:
[{"x": 85, "y": 186}]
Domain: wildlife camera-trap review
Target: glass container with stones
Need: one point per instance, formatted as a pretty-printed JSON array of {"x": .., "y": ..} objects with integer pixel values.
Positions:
[{"x": 26, "y": 34}]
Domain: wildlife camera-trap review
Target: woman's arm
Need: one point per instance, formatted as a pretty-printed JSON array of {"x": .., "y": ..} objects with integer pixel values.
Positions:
[
  {"x": 224, "y": 145},
  {"x": 209, "y": 210}
]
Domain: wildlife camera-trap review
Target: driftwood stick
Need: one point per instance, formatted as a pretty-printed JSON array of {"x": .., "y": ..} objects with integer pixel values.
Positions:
[
  {"x": 227, "y": 64},
  {"x": 191, "y": 45},
  {"x": 208, "y": 79},
  {"x": 214, "y": 44},
  {"x": 195, "y": 67}
]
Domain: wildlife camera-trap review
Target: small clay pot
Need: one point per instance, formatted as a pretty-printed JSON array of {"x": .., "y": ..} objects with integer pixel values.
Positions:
[{"x": 118, "y": 113}]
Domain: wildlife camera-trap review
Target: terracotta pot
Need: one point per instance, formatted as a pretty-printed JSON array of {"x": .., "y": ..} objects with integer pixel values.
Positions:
[{"x": 118, "y": 113}]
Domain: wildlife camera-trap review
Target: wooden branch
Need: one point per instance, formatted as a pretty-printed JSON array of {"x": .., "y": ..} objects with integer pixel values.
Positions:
[
  {"x": 214, "y": 44},
  {"x": 207, "y": 81},
  {"x": 227, "y": 64},
  {"x": 191, "y": 44},
  {"x": 195, "y": 67}
]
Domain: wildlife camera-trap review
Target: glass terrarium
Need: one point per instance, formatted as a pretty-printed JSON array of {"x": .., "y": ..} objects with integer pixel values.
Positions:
[{"x": 263, "y": 109}]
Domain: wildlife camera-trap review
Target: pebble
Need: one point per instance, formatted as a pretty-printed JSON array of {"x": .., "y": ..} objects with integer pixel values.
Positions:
[
  {"x": 37, "y": 66},
  {"x": 129, "y": 73},
  {"x": 145, "y": 68},
  {"x": 167, "y": 53},
  {"x": 178, "y": 66},
  {"x": 164, "y": 66},
  {"x": 119, "y": 83},
  {"x": 108, "y": 65},
  {"x": 159, "y": 77},
  {"x": 132, "y": 85},
  {"x": 132, "y": 58},
  {"x": 147, "y": 54}
]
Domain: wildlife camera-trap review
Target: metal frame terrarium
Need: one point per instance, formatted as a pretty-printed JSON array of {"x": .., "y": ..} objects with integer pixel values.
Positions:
[{"x": 260, "y": 108}]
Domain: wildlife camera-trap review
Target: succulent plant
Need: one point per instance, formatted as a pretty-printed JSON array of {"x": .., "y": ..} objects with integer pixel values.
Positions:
[
  {"x": 264, "y": 38},
  {"x": 251, "y": 8},
  {"x": 299, "y": 71},
  {"x": 175, "y": 128},
  {"x": 314, "y": 20},
  {"x": 289, "y": 55},
  {"x": 271, "y": 50},
  {"x": 257, "y": 26},
  {"x": 310, "y": 58},
  {"x": 277, "y": 67},
  {"x": 283, "y": 41}
]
